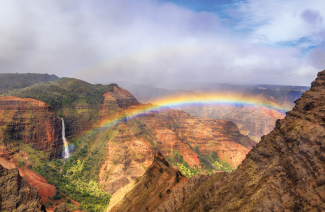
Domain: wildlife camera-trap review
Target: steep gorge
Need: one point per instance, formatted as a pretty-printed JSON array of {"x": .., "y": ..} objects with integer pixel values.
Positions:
[{"x": 112, "y": 156}]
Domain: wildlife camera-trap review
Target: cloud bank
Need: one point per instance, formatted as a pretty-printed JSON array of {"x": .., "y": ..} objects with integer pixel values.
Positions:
[{"x": 148, "y": 41}]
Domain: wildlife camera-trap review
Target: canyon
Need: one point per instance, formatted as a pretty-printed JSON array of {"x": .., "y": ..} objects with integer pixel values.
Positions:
[
  {"x": 254, "y": 121},
  {"x": 196, "y": 145},
  {"x": 110, "y": 156},
  {"x": 283, "y": 172}
]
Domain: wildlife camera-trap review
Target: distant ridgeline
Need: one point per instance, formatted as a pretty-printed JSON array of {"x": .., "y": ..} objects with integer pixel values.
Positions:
[{"x": 9, "y": 81}]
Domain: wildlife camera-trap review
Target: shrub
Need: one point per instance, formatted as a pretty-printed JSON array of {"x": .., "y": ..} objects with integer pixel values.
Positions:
[
  {"x": 68, "y": 200},
  {"x": 161, "y": 170},
  {"x": 168, "y": 191},
  {"x": 177, "y": 179}
]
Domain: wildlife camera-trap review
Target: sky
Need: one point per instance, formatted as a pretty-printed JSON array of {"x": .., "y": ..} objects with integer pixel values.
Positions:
[{"x": 165, "y": 41}]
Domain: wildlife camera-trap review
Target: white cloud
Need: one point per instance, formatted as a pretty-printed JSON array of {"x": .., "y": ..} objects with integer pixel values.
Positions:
[
  {"x": 146, "y": 41},
  {"x": 284, "y": 20}
]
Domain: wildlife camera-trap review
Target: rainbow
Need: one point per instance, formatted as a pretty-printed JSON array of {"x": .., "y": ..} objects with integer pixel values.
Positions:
[
  {"x": 188, "y": 101},
  {"x": 177, "y": 103}
]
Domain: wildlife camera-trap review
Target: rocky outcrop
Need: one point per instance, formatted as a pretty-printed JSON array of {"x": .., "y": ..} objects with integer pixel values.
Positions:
[
  {"x": 121, "y": 97},
  {"x": 284, "y": 172},
  {"x": 62, "y": 208},
  {"x": 29, "y": 121},
  {"x": 46, "y": 190},
  {"x": 16, "y": 194}
]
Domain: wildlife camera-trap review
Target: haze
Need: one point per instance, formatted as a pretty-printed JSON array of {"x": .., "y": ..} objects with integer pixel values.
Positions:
[{"x": 161, "y": 42}]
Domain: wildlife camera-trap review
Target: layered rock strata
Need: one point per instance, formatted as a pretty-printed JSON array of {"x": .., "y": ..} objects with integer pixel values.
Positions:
[
  {"x": 16, "y": 194},
  {"x": 29, "y": 121}
]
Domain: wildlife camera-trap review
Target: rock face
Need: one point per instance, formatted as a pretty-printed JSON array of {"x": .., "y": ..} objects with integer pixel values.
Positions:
[
  {"x": 62, "y": 208},
  {"x": 121, "y": 97},
  {"x": 28, "y": 121},
  {"x": 284, "y": 172},
  {"x": 16, "y": 194},
  {"x": 161, "y": 188},
  {"x": 46, "y": 190}
]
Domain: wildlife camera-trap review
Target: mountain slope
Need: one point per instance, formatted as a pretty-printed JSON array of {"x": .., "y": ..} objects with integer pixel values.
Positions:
[
  {"x": 284, "y": 172},
  {"x": 9, "y": 82},
  {"x": 77, "y": 101}
]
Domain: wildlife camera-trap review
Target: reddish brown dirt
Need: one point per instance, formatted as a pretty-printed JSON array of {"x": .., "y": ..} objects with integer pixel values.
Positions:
[{"x": 51, "y": 209}]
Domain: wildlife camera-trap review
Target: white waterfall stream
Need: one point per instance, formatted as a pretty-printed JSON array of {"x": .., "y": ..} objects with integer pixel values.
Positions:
[{"x": 66, "y": 153}]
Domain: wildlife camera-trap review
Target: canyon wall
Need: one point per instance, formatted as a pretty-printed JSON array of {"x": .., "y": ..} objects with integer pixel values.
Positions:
[{"x": 31, "y": 122}]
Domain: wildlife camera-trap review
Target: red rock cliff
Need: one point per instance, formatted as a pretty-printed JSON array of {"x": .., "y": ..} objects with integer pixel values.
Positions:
[{"x": 29, "y": 121}]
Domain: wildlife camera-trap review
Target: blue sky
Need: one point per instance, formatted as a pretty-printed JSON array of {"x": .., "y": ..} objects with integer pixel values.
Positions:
[
  {"x": 236, "y": 19},
  {"x": 159, "y": 41}
]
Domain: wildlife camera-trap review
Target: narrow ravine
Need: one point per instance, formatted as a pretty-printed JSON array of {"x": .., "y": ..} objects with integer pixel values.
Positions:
[{"x": 66, "y": 153}]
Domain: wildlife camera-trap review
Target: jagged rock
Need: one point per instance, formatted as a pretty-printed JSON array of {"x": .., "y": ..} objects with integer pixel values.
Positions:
[
  {"x": 16, "y": 194},
  {"x": 284, "y": 172},
  {"x": 62, "y": 208}
]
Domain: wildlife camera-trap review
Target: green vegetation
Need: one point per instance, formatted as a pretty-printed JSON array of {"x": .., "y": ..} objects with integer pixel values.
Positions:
[
  {"x": 64, "y": 92},
  {"x": 76, "y": 178},
  {"x": 10, "y": 82},
  {"x": 77, "y": 101}
]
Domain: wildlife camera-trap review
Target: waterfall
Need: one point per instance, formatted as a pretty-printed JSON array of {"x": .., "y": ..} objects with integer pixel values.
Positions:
[{"x": 66, "y": 153}]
